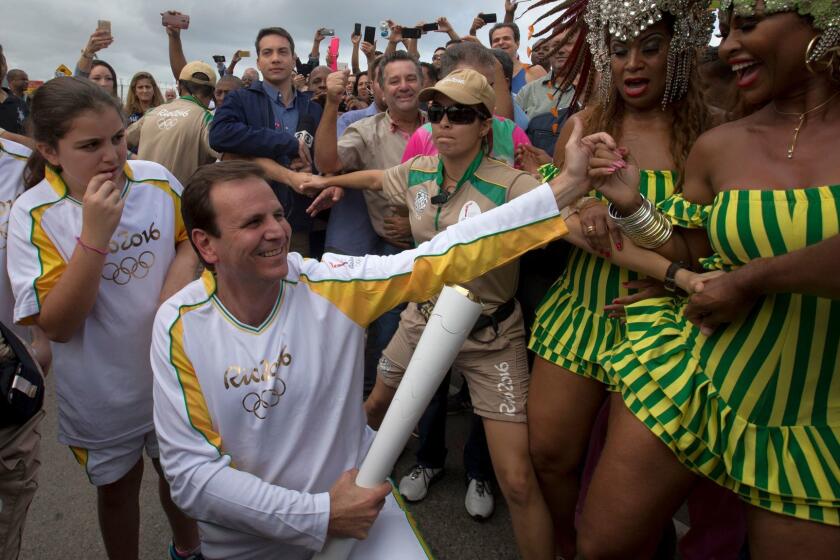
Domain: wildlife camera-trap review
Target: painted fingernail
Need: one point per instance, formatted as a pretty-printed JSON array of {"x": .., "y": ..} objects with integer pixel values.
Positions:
[{"x": 618, "y": 245}]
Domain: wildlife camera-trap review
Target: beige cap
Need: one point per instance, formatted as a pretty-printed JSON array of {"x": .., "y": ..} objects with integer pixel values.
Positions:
[
  {"x": 467, "y": 87},
  {"x": 198, "y": 67}
]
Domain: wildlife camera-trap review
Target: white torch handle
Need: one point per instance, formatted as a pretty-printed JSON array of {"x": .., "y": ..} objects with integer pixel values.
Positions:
[{"x": 449, "y": 325}]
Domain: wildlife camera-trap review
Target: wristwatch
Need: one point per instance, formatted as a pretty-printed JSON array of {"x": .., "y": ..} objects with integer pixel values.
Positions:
[{"x": 670, "y": 281}]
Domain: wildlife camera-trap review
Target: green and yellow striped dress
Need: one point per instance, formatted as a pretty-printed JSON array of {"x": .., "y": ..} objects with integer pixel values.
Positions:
[
  {"x": 755, "y": 406},
  {"x": 571, "y": 328}
]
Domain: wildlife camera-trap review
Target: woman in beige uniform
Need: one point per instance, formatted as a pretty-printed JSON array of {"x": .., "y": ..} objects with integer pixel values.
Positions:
[{"x": 458, "y": 183}]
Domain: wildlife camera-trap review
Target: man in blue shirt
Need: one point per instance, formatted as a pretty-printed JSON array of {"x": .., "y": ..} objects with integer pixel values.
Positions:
[
  {"x": 271, "y": 119},
  {"x": 349, "y": 231}
]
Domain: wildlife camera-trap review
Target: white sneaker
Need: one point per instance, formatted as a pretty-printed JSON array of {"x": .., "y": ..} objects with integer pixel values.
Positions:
[
  {"x": 415, "y": 485},
  {"x": 479, "y": 499}
]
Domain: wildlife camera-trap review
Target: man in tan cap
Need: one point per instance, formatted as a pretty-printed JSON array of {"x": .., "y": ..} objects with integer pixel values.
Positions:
[{"x": 176, "y": 135}]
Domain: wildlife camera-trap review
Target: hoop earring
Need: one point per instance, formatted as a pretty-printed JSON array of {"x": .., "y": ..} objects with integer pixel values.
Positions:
[
  {"x": 820, "y": 57},
  {"x": 810, "y": 60}
]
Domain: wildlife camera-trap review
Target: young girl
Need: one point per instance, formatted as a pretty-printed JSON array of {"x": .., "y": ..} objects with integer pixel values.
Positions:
[{"x": 94, "y": 245}]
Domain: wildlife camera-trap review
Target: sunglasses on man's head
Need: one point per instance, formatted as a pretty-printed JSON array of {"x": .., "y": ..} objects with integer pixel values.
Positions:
[{"x": 457, "y": 114}]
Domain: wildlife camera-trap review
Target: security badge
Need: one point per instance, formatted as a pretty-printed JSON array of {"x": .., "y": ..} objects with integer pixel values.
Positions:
[{"x": 469, "y": 210}]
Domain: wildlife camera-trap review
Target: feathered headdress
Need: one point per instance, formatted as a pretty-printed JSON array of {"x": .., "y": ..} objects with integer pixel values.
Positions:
[{"x": 595, "y": 21}]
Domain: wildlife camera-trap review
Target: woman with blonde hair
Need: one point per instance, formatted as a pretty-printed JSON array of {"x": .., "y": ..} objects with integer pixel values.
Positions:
[{"x": 143, "y": 94}]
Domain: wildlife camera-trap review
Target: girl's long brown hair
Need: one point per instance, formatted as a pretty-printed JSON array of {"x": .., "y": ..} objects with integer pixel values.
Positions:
[{"x": 55, "y": 106}]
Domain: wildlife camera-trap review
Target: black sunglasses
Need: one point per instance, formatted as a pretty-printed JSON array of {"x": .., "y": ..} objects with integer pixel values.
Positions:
[{"x": 457, "y": 114}]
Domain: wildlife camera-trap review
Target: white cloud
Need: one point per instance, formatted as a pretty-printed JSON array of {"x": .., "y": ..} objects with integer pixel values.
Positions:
[{"x": 39, "y": 35}]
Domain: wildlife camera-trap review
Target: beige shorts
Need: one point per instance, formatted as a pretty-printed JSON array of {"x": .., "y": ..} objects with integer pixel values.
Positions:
[
  {"x": 494, "y": 366},
  {"x": 104, "y": 466},
  {"x": 19, "y": 464}
]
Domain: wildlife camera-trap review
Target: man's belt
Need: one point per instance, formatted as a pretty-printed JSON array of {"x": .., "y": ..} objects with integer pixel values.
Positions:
[{"x": 484, "y": 320}]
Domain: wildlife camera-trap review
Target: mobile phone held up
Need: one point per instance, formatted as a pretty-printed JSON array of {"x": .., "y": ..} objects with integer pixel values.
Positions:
[
  {"x": 411, "y": 32},
  {"x": 430, "y": 27},
  {"x": 327, "y": 31},
  {"x": 303, "y": 68},
  {"x": 103, "y": 25},
  {"x": 370, "y": 34},
  {"x": 488, "y": 18},
  {"x": 357, "y": 29},
  {"x": 218, "y": 58},
  {"x": 178, "y": 21}
]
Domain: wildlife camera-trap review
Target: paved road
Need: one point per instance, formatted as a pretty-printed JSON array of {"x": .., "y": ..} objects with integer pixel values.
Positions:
[{"x": 62, "y": 522}]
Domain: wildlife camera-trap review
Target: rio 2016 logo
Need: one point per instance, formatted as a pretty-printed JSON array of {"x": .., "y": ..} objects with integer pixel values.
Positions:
[
  {"x": 505, "y": 387},
  {"x": 237, "y": 376},
  {"x": 129, "y": 268},
  {"x": 127, "y": 241},
  {"x": 258, "y": 402}
]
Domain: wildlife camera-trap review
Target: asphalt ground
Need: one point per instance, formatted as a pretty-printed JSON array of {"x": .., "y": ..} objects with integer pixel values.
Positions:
[{"x": 62, "y": 522}]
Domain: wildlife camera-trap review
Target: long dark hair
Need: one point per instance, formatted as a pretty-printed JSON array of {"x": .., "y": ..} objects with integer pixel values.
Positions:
[
  {"x": 113, "y": 72},
  {"x": 55, "y": 106}
]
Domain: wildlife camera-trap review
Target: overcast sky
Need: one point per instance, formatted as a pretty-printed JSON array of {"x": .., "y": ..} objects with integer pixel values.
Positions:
[{"x": 39, "y": 35}]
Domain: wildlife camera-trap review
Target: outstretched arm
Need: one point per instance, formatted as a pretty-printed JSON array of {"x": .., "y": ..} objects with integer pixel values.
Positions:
[
  {"x": 233, "y": 62},
  {"x": 631, "y": 257},
  {"x": 354, "y": 56},
  {"x": 99, "y": 39},
  {"x": 177, "y": 59},
  {"x": 326, "y": 143},
  {"x": 315, "y": 53},
  {"x": 369, "y": 179},
  {"x": 445, "y": 27},
  {"x": 722, "y": 298},
  {"x": 510, "y": 11}
]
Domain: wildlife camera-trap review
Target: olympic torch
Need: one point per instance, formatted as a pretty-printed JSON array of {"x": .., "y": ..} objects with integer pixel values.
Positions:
[{"x": 451, "y": 321}]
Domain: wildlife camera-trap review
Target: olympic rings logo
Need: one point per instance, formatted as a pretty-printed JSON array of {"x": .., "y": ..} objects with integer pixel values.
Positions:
[
  {"x": 255, "y": 402},
  {"x": 121, "y": 274}
]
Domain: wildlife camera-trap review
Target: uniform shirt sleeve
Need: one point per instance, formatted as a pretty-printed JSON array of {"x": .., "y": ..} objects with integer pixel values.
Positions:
[
  {"x": 208, "y": 154},
  {"x": 176, "y": 190},
  {"x": 34, "y": 262},
  {"x": 395, "y": 183},
  {"x": 202, "y": 480},
  {"x": 365, "y": 287},
  {"x": 132, "y": 133},
  {"x": 524, "y": 183}
]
